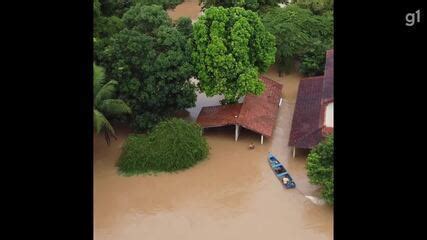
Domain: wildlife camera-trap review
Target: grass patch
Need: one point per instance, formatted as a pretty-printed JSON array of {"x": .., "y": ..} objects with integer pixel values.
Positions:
[{"x": 171, "y": 146}]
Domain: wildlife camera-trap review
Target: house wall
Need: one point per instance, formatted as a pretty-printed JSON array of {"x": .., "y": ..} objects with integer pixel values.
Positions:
[{"x": 329, "y": 115}]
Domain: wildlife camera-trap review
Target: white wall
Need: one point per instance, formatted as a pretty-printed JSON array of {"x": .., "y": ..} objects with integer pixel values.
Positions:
[{"x": 329, "y": 115}]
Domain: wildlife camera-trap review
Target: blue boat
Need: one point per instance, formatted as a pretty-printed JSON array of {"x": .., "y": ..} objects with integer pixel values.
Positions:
[{"x": 281, "y": 172}]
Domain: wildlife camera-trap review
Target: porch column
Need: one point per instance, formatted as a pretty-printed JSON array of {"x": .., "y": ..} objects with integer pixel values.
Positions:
[
  {"x": 262, "y": 139},
  {"x": 237, "y": 133},
  {"x": 293, "y": 152}
]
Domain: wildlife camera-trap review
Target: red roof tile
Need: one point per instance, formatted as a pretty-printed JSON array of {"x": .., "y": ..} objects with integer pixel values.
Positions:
[
  {"x": 328, "y": 82},
  {"x": 305, "y": 131},
  {"x": 314, "y": 94},
  {"x": 256, "y": 113},
  {"x": 259, "y": 113},
  {"x": 217, "y": 116}
]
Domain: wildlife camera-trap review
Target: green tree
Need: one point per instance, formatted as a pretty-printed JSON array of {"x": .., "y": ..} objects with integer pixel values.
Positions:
[
  {"x": 166, "y": 4},
  {"x": 119, "y": 7},
  {"x": 185, "y": 26},
  {"x": 247, "y": 4},
  {"x": 287, "y": 26},
  {"x": 107, "y": 16},
  {"x": 299, "y": 35},
  {"x": 320, "y": 167},
  {"x": 316, "y": 6},
  {"x": 105, "y": 103},
  {"x": 146, "y": 19},
  {"x": 151, "y": 61},
  {"x": 103, "y": 28},
  {"x": 230, "y": 48},
  {"x": 314, "y": 59}
]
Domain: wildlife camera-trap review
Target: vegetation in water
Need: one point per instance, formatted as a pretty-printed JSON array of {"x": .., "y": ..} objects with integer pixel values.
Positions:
[
  {"x": 105, "y": 104},
  {"x": 300, "y": 35},
  {"x": 320, "y": 167},
  {"x": 230, "y": 48},
  {"x": 171, "y": 146}
]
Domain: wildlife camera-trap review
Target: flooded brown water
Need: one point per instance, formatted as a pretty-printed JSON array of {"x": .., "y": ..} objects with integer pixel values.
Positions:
[
  {"x": 231, "y": 195},
  {"x": 290, "y": 82},
  {"x": 189, "y": 8}
]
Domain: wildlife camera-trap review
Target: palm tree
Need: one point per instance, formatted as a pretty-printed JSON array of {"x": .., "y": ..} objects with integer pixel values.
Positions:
[{"x": 104, "y": 103}]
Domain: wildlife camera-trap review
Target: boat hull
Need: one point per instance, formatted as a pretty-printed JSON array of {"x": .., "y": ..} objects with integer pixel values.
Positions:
[{"x": 280, "y": 171}]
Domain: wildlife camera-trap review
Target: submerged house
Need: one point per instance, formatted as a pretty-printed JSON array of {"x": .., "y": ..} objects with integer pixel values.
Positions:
[
  {"x": 256, "y": 113},
  {"x": 313, "y": 117}
]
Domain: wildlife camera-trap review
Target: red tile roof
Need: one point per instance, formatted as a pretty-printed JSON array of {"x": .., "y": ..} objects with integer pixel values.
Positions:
[
  {"x": 328, "y": 82},
  {"x": 217, "y": 116},
  {"x": 305, "y": 131},
  {"x": 259, "y": 113},
  {"x": 314, "y": 93},
  {"x": 256, "y": 113}
]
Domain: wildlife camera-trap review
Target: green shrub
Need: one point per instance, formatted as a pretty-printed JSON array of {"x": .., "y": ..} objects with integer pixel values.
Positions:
[
  {"x": 320, "y": 167},
  {"x": 171, "y": 146}
]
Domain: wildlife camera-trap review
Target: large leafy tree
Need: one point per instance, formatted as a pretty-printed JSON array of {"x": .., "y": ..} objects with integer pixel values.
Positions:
[
  {"x": 300, "y": 34},
  {"x": 230, "y": 48},
  {"x": 105, "y": 104},
  {"x": 247, "y": 4},
  {"x": 313, "y": 60},
  {"x": 104, "y": 25},
  {"x": 185, "y": 26},
  {"x": 320, "y": 167},
  {"x": 107, "y": 15},
  {"x": 316, "y": 6},
  {"x": 119, "y": 7},
  {"x": 164, "y": 3},
  {"x": 151, "y": 61}
]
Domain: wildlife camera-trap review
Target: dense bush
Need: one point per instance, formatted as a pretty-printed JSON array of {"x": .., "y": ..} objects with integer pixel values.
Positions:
[
  {"x": 320, "y": 167},
  {"x": 300, "y": 35},
  {"x": 172, "y": 145}
]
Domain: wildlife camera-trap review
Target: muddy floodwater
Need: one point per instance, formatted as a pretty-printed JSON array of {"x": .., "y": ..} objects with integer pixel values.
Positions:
[
  {"x": 231, "y": 195},
  {"x": 189, "y": 8}
]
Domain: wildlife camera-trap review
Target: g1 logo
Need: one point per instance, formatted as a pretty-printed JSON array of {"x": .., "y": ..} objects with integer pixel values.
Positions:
[{"x": 411, "y": 20}]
